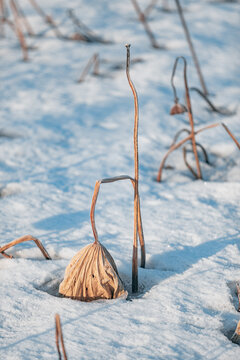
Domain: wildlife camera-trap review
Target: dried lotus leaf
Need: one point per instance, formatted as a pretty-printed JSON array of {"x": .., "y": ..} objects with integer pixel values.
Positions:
[{"x": 92, "y": 274}]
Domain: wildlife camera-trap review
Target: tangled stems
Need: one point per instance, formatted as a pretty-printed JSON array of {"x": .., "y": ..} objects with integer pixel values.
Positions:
[{"x": 191, "y": 135}]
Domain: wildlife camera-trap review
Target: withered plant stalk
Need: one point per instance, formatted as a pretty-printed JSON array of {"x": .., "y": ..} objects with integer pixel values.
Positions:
[
  {"x": 142, "y": 19},
  {"x": 47, "y": 18},
  {"x": 139, "y": 220},
  {"x": 59, "y": 338},
  {"x": 220, "y": 110},
  {"x": 2, "y": 17},
  {"x": 178, "y": 109},
  {"x": 190, "y": 43},
  {"x": 84, "y": 33},
  {"x": 21, "y": 240},
  {"x": 138, "y": 231},
  {"x": 24, "y": 19},
  {"x": 136, "y": 160},
  {"x": 18, "y": 30},
  {"x": 190, "y": 115},
  {"x": 191, "y": 135},
  {"x": 231, "y": 135},
  {"x": 136, "y": 165},
  {"x": 93, "y": 61},
  {"x": 150, "y": 7}
]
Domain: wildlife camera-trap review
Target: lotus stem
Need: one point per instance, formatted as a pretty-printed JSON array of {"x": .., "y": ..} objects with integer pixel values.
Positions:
[
  {"x": 48, "y": 19},
  {"x": 187, "y": 164},
  {"x": 177, "y": 136},
  {"x": 190, "y": 115},
  {"x": 93, "y": 205},
  {"x": 23, "y": 239},
  {"x": 94, "y": 60},
  {"x": 24, "y": 19},
  {"x": 231, "y": 135},
  {"x": 59, "y": 338},
  {"x": 136, "y": 171},
  {"x": 142, "y": 19},
  {"x": 193, "y": 52},
  {"x": 222, "y": 111},
  {"x": 172, "y": 148},
  {"x": 238, "y": 295},
  {"x": 204, "y": 152},
  {"x": 18, "y": 30}
]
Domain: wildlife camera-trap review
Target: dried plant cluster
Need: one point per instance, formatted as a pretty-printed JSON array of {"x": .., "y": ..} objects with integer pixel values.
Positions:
[
  {"x": 12, "y": 15},
  {"x": 179, "y": 108},
  {"x": 92, "y": 273}
]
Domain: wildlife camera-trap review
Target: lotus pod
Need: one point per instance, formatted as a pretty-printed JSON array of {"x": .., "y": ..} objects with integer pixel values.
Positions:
[
  {"x": 178, "y": 109},
  {"x": 236, "y": 336},
  {"x": 92, "y": 274}
]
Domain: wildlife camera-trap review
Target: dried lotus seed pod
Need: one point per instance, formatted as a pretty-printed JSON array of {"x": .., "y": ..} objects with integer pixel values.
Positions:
[{"x": 92, "y": 274}]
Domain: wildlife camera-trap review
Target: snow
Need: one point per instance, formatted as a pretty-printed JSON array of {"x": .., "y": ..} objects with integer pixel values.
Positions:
[{"x": 63, "y": 136}]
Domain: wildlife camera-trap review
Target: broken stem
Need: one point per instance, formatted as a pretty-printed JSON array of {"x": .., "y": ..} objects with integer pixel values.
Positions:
[
  {"x": 94, "y": 60},
  {"x": 193, "y": 52},
  {"x": 143, "y": 20},
  {"x": 59, "y": 338},
  {"x": 23, "y": 239},
  {"x": 48, "y": 19}
]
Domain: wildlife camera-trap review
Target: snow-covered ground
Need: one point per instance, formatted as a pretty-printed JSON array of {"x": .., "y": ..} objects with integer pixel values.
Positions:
[{"x": 64, "y": 136}]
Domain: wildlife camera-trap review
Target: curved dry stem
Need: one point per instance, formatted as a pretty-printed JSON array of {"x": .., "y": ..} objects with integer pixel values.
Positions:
[
  {"x": 187, "y": 164},
  {"x": 21, "y": 240},
  {"x": 204, "y": 152},
  {"x": 172, "y": 148},
  {"x": 189, "y": 108},
  {"x": 139, "y": 221},
  {"x": 136, "y": 171},
  {"x": 177, "y": 136},
  {"x": 193, "y": 52},
  {"x": 231, "y": 135},
  {"x": 222, "y": 111},
  {"x": 59, "y": 338}
]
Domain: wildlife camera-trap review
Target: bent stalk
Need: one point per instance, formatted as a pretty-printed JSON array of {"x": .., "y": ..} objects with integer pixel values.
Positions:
[
  {"x": 59, "y": 338},
  {"x": 23, "y": 239},
  {"x": 193, "y": 52}
]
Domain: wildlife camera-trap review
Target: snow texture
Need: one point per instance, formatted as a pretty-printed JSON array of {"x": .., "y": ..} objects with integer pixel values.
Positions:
[{"x": 59, "y": 136}]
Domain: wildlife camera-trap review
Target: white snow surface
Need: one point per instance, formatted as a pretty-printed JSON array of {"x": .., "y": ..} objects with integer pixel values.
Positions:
[{"x": 64, "y": 135}]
